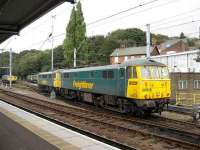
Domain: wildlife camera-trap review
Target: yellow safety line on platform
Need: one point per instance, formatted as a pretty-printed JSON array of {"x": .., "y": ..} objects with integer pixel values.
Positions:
[{"x": 52, "y": 139}]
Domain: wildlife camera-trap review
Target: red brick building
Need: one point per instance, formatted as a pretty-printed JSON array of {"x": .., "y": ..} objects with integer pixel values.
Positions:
[
  {"x": 123, "y": 54},
  {"x": 173, "y": 46}
]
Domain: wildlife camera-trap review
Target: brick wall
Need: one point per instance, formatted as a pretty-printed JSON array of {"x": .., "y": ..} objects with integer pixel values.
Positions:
[{"x": 189, "y": 77}]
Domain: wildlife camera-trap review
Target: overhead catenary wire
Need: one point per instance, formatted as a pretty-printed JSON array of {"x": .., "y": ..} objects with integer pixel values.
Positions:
[
  {"x": 167, "y": 27},
  {"x": 50, "y": 35},
  {"x": 42, "y": 42},
  {"x": 121, "y": 12},
  {"x": 108, "y": 17},
  {"x": 134, "y": 13},
  {"x": 89, "y": 24},
  {"x": 171, "y": 21},
  {"x": 118, "y": 13},
  {"x": 174, "y": 16},
  {"x": 93, "y": 22},
  {"x": 176, "y": 25},
  {"x": 166, "y": 20},
  {"x": 9, "y": 41},
  {"x": 47, "y": 20}
]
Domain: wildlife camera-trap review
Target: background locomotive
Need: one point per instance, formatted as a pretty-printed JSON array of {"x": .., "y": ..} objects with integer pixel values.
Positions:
[
  {"x": 32, "y": 78},
  {"x": 7, "y": 78},
  {"x": 141, "y": 86}
]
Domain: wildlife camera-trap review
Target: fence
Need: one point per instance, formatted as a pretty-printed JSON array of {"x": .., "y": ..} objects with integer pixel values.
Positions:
[{"x": 187, "y": 99}]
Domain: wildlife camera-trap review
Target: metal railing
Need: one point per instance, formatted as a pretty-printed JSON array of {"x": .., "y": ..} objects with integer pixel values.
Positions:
[{"x": 187, "y": 99}]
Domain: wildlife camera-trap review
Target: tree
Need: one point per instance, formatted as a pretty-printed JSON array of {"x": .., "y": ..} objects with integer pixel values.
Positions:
[
  {"x": 129, "y": 37},
  {"x": 95, "y": 49},
  {"x": 59, "y": 61},
  {"x": 182, "y": 35},
  {"x": 108, "y": 46},
  {"x": 159, "y": 38},
  {"x": 75, "y": 37},
  {"x": 28, "y": 65}
]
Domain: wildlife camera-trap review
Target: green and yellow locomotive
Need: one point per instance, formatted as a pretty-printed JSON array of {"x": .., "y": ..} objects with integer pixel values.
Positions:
[
  {"x": 8, "y": 78},
  {"x": 32, "y": 78},
  {"x": 137, "y": 86}
]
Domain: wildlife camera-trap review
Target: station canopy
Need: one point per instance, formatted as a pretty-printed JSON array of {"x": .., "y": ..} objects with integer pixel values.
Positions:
[{"x": 17, "y": 14}]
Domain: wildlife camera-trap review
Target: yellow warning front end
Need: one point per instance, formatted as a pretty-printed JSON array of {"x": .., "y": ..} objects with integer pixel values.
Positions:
[
  {"x": 57, "y": 79},
  {"x": 148, "y": 83}
]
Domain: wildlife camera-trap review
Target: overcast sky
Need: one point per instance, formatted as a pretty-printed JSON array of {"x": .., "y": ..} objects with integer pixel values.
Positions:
[{"x": 159, "y": 14}]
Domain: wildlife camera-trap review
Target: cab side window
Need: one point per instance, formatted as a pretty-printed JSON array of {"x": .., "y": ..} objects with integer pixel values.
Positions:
[
  {"x": 131, "y": 72},
  {"x": 134, "y": 72},
  {"x": 121, "y": 72},
  {"x": 128, "y": 73}
]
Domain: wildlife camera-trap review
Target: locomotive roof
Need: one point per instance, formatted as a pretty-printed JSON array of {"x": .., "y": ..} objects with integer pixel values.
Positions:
[
  {"x": 136, "y": 62},
  {"x": 143, "y": 62},
  {"x": 43, "y": 73},
  {"x": 92, "y": 68},
  {"x": 50, "y": 72}
]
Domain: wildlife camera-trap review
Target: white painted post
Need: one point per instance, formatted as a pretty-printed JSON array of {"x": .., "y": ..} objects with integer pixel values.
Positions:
[
  {"x": 52, "y": 42},
  {"x": 10, "y": 66},
  {"x": 74, "y": 57},
  {"x": 199, "y": 32},
  {"x": 148, "y": 43}
]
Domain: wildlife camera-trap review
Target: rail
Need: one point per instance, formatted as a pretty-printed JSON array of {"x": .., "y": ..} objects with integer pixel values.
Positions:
[{"x": 101, "y": 123}]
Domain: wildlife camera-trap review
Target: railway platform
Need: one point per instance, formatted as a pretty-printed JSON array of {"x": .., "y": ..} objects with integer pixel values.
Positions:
[{"x": 22, "y": 130}]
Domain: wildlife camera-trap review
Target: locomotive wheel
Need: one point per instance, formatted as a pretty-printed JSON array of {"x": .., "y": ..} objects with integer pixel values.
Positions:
[
  {"x": 140, "y": 113},
  {"x": 101, "y": 101},
  {"x": 96, "y": 102},
  {"x": 121, "y": 105}
]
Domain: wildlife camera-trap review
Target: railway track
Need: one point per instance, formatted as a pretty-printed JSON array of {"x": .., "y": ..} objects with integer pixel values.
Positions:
[{"x": 111, "y": 126}]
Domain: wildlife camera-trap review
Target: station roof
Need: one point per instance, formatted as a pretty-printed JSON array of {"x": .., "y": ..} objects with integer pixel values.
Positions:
[{"x": 17, "y": 14}]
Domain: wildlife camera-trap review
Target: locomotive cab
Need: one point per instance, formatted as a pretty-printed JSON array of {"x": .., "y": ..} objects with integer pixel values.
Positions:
[
  {"x": 155, "y": 82},
  {"x": 57, "y": 79},
  {"x": 148, "y": 82},
  {"x": 148, "y": 86}
]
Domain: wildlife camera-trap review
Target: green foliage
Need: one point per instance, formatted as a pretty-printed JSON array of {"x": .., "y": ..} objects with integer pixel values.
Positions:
[
  {"x": 75, "y": 35},
  {"x": 129, "y": 37},
  {"x": 28, "y": 65},
  {"x": 108, "y": 46},
  {"x": 32, "y": 61},
  {"x": 100, "y": 47},
  {"x": 59, "y": 60},
  {"x": 182, "y": 35},
  {"x": 159, "y": 38},
  {"x": 193, "y": 42},
  {"x": 4, "y": 58}
]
